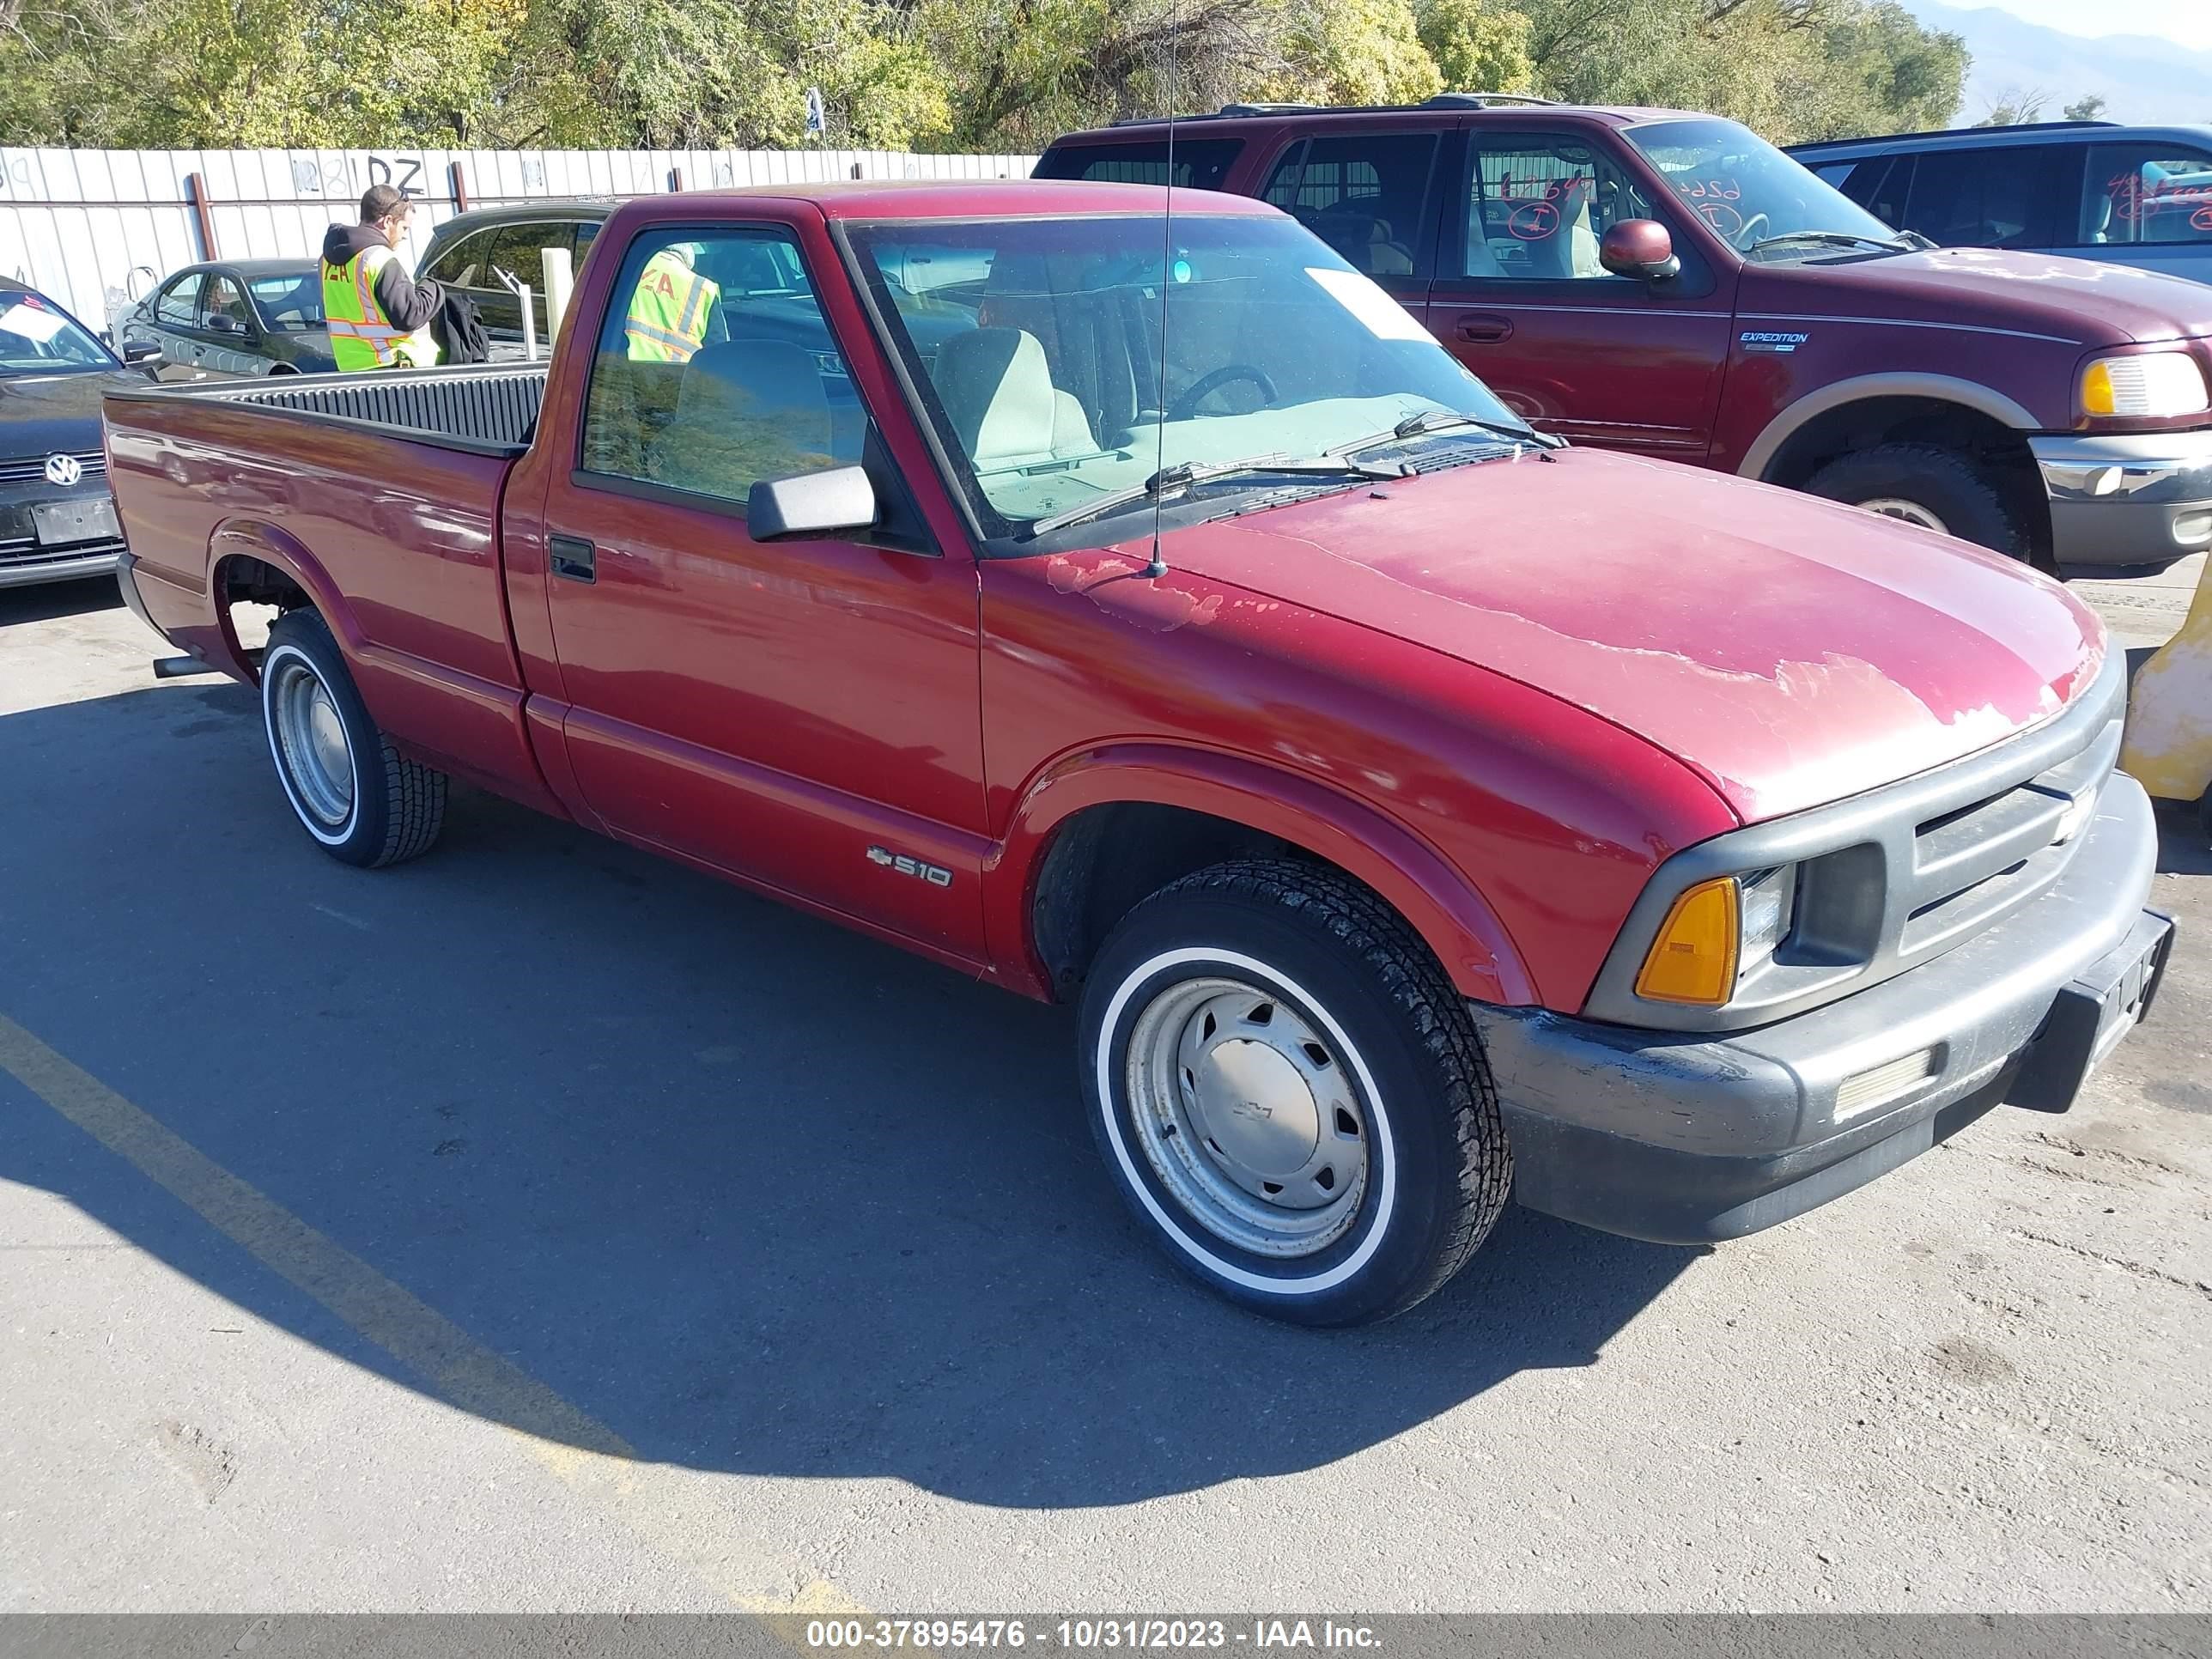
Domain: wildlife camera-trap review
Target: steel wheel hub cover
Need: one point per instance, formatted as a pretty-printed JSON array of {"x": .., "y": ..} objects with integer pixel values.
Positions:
[{"x": 1250, "y": 1119}]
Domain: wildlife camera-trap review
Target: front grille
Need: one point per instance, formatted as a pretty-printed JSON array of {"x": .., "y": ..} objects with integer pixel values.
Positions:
[
  {"x": 1972, "y": 864},
  {"x": 32, "y": 468},
  {"x": 1893, "y": 877},
  {"x": 15, "y": 555}
]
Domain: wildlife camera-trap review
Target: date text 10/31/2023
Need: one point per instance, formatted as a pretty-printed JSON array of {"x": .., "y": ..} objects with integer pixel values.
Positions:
[{"x": 1087, "y": 1634}]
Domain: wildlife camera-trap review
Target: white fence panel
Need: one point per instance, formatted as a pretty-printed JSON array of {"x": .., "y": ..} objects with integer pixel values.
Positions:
[{"x": 97, "y": 228}]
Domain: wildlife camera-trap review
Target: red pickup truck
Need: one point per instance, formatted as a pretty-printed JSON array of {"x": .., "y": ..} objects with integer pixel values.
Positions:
[
  {"x": 1417, "y": 807},
  {"x": 1671, "y": 285}
]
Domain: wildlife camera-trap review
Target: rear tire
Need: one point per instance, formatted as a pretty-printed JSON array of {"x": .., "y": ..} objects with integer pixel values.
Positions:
[
  {"x": 1289, "y": 1095},
  {"x": 363, "y": 801},
  {"x": 1937, "y": 489}
]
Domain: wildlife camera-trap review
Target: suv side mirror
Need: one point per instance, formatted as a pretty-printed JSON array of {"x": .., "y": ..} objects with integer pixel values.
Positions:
[
  {"x": 1640, "y": 248},
  {"x": 136, "y": 352},
  {"x": 813, "y": 504}
]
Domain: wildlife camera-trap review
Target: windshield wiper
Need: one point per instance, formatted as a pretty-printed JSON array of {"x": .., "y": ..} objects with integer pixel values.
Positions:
[
  {"x": 1170, "y": 479},
  {"x": 1840, "y": 238},
  {"x": 1443, "y": 420}
]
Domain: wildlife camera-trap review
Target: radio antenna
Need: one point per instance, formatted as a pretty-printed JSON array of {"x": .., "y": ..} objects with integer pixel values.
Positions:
[{"x": 1158, "y": 567}]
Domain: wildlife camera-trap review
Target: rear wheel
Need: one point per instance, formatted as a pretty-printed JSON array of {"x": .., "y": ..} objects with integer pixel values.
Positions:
[
  {"x": 362, "y": 800},
  {"x": 1289, "y": 1095},
  {"x": 1937, "y": 489}
]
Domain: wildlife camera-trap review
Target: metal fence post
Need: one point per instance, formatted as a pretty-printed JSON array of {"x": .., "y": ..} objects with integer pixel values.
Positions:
[
  {"x": 460, "y": 186},
  {"x": 196, "y": 192}
]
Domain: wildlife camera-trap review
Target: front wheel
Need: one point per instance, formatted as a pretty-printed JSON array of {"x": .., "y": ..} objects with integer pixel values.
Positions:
[
  {"x": 361, "y": 798},
  {"x": 1937, "y": 489},
  {"x": 1289, "y": 1095}
]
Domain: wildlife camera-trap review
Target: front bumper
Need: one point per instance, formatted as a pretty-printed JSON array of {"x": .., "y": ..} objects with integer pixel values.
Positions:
[
  {"x": 1685, "y": 1140},
  {"x": 68, "y": 565},
  {"x": 2140, "y": 500}
]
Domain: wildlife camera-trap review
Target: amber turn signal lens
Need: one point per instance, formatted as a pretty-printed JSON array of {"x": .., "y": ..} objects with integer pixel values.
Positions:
[{"x": 1693, "y": 958}]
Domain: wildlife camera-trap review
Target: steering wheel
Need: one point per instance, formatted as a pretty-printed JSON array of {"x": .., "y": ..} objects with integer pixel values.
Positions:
[
  {"x": 1186, "y": 407},
  {"x": 1751, "y": 230}
]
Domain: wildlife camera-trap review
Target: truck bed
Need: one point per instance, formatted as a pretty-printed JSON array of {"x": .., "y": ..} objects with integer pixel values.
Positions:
[
  {"x": 382, "y": 494},
  {"x": 492, "y": 408}
]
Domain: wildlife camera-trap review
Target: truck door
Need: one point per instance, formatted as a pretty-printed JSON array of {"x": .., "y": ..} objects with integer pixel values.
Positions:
[
  {"x": 803, "y": 713},
  {"x": 1520, "y": 297}
]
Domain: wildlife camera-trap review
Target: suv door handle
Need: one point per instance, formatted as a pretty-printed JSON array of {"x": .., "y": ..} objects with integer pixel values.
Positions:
[
  {"x": 1482, "y": 327},
  {"x": 573, "y": 558}
]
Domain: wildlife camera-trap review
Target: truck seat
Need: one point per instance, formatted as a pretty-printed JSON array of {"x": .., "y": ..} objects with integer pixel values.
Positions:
[
  {"x": 997, "y": 390},
  {"x": 746, "y": 410}
]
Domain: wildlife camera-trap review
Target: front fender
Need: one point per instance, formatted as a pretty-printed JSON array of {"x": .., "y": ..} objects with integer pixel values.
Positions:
[{"x": 1451, "y": 917}]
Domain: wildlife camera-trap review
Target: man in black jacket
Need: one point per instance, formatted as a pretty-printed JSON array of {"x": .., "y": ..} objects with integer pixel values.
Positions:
[{"x": 378, "y": 316}]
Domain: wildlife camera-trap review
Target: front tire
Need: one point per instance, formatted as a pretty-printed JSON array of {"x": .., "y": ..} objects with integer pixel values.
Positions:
[
  {"x": 1289, "y": 1095},
  {"x": 363, "y": 801},
  {"x": 1926, "y": 485}
]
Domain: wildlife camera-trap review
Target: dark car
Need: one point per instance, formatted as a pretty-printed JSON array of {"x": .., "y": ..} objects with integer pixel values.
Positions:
[
  {"x": 236, "y": 317},
  {"x": 466, "y": 251},
  {"x": 57, "y": 518},
  {"x": 2131, "y": 196}
]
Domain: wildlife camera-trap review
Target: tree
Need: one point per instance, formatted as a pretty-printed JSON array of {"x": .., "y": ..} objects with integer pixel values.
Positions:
[
  {"x": 1477, "y": 47},
  {"x": 2088, "y": 107},
  {"x": 2015, "y": 106}
]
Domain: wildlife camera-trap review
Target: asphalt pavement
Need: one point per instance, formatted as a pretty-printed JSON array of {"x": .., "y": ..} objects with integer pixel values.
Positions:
[{"x": 542, "y": 1226}]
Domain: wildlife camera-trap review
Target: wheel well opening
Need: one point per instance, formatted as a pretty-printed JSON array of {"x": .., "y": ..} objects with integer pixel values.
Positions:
[
  {"x": 250, "y": 594},
  {"x": 1108, "y": 858},
  {"x": 1997, "y": 451}
]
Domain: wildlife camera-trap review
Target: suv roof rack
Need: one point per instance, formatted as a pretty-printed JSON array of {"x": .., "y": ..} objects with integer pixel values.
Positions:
[
  {"x": 1481, "y": 100},
  {"x": 1269, "y": 109}
]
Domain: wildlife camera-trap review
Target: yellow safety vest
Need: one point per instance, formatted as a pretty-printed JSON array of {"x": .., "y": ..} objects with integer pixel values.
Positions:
[
  {"x": 361, "y": 336},
  {"x": 668, "y": 314}
]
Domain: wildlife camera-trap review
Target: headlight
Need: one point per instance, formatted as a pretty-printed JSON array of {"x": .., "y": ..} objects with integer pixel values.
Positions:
[
  {"x": 1716, "y": 932},
  {"x": 2153, "y": 385}
]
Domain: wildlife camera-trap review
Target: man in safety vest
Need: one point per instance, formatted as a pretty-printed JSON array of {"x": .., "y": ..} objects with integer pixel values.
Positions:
[
  {"x": 378, "y": 316},
  {"x": 671, "y": 309}
]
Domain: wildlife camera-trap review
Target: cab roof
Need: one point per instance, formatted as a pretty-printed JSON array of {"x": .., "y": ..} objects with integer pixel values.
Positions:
[{"x": 980, "y": 199}]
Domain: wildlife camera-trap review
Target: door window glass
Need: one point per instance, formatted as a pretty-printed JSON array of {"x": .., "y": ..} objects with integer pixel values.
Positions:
[
  {"x": 715, "y": 368},
  {"x": 1882, "y": 185},
  {"x": 224, "y": 299},
  {"x": 2000, "y": 197},
  {"x": 179, "y": 306},
  {"x": 291, "y": 305},
  {"x": 1362, "y": 193},
  {"x": 1538, "y": 202},
  {"x": 519, "y": 249},
  {"x": 461, "y": 264},
  {"x": 2139, "y": 194},
  {"x": 1199, "y": 163}
]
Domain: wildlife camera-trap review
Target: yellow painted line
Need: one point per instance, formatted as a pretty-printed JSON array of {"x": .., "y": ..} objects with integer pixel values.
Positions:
[{"x": 680, "y": 1516}]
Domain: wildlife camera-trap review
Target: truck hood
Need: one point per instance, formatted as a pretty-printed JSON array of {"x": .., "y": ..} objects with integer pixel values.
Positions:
[
  {"x": 1790, "y": 650},
  {"x": 2079, "y": 302}
]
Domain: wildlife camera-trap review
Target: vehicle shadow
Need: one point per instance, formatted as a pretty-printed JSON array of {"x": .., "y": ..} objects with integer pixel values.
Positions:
[
  {"x": 48, "y": 600},
  {"x": 753, "y": 1193}
]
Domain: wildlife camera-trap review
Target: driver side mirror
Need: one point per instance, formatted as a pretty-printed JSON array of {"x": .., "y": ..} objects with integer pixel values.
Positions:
[
  {"x": 136, "y": 352},
  {"x": 811, "y": 504},
  {"x": 1640, "y": 248}
]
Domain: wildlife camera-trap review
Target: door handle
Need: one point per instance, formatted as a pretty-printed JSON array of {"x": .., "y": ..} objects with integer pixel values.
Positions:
[
  {"x": 573, "y": 558},
  {"x": 1483, "y": 328}
]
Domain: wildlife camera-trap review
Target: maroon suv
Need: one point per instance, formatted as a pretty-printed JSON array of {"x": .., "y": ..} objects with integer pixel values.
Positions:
[{"x": 1671, "y": 285}]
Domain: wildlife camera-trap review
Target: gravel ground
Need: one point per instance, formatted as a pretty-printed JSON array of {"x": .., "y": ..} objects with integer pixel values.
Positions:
[{"x": 541, "y": 1226}]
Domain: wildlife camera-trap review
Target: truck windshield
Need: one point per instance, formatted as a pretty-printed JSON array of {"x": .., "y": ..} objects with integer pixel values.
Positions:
[
  {"x": 1041, "y": 363},
  {"x": 1757, "y": 198},
  {"x": 35, "y": 338}
]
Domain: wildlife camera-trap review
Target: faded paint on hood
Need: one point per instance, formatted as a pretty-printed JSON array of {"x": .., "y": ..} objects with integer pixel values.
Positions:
[{"x": 1792, "y": 651}]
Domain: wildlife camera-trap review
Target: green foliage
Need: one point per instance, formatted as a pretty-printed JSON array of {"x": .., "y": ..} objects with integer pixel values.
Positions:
[
  {"x": 2090, "y": 107},
  {"x": 915, "y": 74},
  {"x": 1477, "y": 47}
]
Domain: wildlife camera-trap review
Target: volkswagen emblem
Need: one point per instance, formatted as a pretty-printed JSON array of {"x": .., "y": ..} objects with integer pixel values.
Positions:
[{"x": 63, "y": 469}]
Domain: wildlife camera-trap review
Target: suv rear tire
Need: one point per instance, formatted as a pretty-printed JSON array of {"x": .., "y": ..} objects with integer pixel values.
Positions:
[
  {"x": 1938, "y": 488},
  {"x": 1289, "y": 1094}
]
